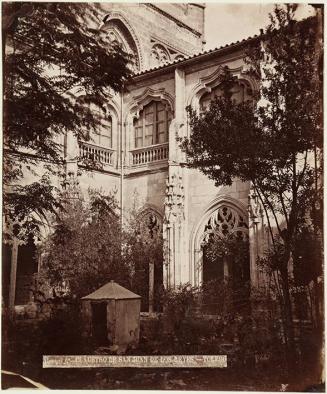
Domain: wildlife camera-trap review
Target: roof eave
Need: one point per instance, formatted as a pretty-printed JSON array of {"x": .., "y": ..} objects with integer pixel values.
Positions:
[{"x": 194, "y": 59}]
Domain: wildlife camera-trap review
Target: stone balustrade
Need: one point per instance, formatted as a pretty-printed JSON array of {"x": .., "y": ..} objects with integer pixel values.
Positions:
[
  {"x": 150, "y": 154},
  {"x": 96, "y": 153}
]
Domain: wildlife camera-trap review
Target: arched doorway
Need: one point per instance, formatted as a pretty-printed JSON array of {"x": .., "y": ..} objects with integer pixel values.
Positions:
[
  {"x": 223, "y": 232},
  {"x": 222, "y": 256}
]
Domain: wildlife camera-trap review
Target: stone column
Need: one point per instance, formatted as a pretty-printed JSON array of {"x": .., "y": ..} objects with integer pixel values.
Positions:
[
  {"x": 72, "y": 153},
  {"x": 173, "y": 228},
  {"x": 256, "y": 236},
  {"x": 175, "y": 261}
]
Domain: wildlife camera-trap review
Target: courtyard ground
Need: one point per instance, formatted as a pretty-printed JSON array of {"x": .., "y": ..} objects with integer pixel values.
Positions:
[{"x": 229, "y": 379}]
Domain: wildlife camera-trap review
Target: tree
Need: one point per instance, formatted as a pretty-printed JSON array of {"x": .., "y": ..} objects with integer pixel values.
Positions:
[
  {"x": 143, "y": 249},
  {"x": 55, "y": 66},
  {"x": 272, "y": 143},
  {"x": 87, "y": 248},
  {"x": 84, "y": 250}
]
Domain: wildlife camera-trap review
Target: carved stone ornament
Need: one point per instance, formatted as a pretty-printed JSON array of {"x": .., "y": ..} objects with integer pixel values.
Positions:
[
  {"x": 174, "y": 201},
  {"x": 71, "y": 188},
  {"x": 255, "y": 208},
  {"x": 159, "y": 55},
  {"x": 225, "y": 221}
]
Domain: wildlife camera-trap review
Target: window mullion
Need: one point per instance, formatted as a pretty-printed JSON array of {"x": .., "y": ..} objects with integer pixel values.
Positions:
[
  {"x": 155, "y": 140},
  {"x": 143, "y": 128},
  {"x": 167, "y": 126}
]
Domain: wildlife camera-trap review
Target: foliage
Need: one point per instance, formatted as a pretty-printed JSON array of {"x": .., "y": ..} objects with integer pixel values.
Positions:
[
  {"x": 84, "y": 250},
  {"x": 88, "y": 248},
  {"x": 55, "y": 65},
  {"x": 248, "y": 337},
  {"x": 275, "y": 143},
  {"x": 177, "y": 303},
  {"x": 234, "y": 249},
  {"x": 60, "y": 333},
  {"x": 143, "y": 245}
]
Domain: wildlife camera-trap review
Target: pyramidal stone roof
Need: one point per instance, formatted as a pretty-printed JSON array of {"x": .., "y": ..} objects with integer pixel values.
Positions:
[{"x": 111, "y": 291}]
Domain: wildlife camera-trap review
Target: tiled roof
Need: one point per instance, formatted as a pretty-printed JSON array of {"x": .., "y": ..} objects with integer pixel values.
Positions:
[
  {"x": 111, "y": 291},
  {"x": 206, "y": 52}
]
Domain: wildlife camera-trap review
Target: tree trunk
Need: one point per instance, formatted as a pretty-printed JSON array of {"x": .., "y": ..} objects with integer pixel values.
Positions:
[{"x": 288, "y": 319}]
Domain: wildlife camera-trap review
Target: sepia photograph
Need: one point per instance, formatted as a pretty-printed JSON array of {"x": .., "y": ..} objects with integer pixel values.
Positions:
[{"x": 162, "y": 196}]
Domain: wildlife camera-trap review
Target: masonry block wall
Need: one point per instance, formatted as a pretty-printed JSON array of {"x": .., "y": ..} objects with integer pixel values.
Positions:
[
  {"x": 145, "y": 190},
  {"x": 177, "y": 31}
]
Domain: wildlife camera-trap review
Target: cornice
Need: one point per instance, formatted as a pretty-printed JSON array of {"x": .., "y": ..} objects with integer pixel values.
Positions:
[
  {"x": 177, "y": 21},
  {"x": 146, "y": 171},
  {"x": 105, "y": 170}
]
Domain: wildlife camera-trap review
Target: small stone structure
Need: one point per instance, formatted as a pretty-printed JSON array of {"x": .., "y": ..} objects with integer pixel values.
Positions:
[{"x": 112, "y": 316}]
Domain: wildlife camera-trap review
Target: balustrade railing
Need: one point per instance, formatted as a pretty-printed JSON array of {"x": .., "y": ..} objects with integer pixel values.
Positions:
[
  {"x": 96, "y": 153},
  {"x": 150, "y": 154}
]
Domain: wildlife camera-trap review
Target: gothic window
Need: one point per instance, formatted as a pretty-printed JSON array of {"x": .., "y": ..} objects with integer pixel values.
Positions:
[
  {"x": 208, "y": 97},
  {"x": 152, "y": 223},
  {"x": 114, "y": 38},
  {"x": 102, "y": 136},
  {"x": 117, "y": 39},
  {"x": 226, "y": 222},
  {"x": 225, "y": 248},
  {"x": 152, "y": 125},
  {"x": 240, "y": 92},
  {"x": 159, "y": 55},
  {"x": 118, "y": 33}
]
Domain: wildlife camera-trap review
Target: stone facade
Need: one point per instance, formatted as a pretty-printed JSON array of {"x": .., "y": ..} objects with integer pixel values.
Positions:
[
  {"x": 144, "y": 158},
  {"x": 157, "y": 31},
  {"x": 156, "y": 172}
]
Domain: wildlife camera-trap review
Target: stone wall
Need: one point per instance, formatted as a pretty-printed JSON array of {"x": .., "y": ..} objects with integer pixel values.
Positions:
[
  {"x": 100, "y": 180},
  {"x": 147, "y": 189},
  {"x": 151, "y": 25}
]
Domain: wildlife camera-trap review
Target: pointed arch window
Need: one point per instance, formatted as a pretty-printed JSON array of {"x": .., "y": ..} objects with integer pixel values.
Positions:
[
  {"x": 226, "y": 221},
  {"x": 225, "y": 246},
  {"x": 152, "y": 223},
  {"x": 241, "y": 92},
  {"x": 102, "y": 136},
  {"x": 152, "y": 126}
]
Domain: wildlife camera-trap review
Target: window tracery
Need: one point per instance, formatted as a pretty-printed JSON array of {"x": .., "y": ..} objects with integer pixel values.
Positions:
[
  {"x": 226, "y": 222},
  {"x": 152, "y": 125},
  {"x": 159, "y": 55},
  {"x": 152, "y": 223},
  {"x": 225, "y": 250},
  {"x": 241, "y": 92},
  {"x": 118, "y": 33}
]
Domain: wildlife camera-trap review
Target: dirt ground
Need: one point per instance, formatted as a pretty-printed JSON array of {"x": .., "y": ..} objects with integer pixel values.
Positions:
[{"x": 173, "y": 379}]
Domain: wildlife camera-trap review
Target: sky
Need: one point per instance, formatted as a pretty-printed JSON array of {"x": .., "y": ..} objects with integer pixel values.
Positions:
[{"x": 226, "y": 23}]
